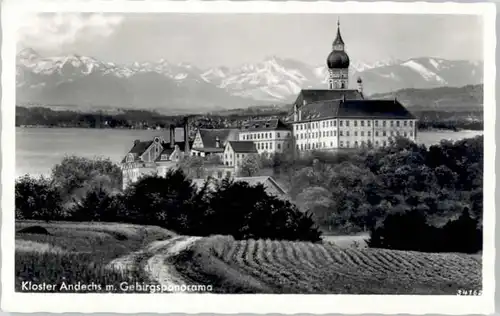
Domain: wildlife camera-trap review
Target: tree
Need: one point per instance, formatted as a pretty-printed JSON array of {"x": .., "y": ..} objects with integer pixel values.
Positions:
[
  {"x": 37, "y": 198},
  {"x": 163, "y": 201},
  {"x": 250, "y": 166},
  {"x": 97, "y": 205},
  {"x": 193, "y": 166},
  {"x": 74, "y": 176}
]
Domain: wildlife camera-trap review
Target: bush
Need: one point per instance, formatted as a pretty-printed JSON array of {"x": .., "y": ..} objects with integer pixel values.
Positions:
[
  {"x": 410, "y": 231},
  {"x": 37, "y": 198}
]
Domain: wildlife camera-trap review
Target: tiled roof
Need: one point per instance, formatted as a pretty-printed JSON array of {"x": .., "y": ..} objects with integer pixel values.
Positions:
[
  {"x": 210, "y": 149},
  {"x": 384, "y": 109},
  {"x": 265, "y": 180},
  {"x": 243, "y": 146},
  {"x": 315, "y": 95},
  {"x": 168, "y": 150},
  {"x": 208, "y": 136},
  {"x": 272, "y": 124},
  {"x": 140, "y": 147},
  {"x": 390, "y": 109}
]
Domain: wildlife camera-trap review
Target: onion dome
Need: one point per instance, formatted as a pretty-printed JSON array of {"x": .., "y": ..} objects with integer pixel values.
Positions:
[
  {"x": 359, "y": 80},
  {"x": 338, "y": 58}
]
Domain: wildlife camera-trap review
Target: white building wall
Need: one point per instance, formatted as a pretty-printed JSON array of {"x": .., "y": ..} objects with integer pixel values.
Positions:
[
  {"x": 349, "y": 133},
  {"x": 267, "y": 141}
]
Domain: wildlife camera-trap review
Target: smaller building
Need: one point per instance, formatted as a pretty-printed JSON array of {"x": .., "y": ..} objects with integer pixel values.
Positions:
[
  {"x": 270, "y": 136},
  {"x": 236, "y": 151},
  {"x": 270, "y": 185},
  {"x": 212, "y": 141}
]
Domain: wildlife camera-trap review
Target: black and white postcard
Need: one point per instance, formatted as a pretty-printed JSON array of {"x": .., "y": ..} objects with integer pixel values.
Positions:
[{"x": 248, "y": 157}]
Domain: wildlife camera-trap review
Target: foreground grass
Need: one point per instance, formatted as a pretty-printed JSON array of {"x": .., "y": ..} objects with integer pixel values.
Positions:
[
  {"x": 78, "y": 253},
  {"x": 264, "y": 266}
]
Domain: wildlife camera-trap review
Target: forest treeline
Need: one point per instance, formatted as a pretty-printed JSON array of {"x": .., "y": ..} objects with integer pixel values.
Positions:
[
  {"x": 408, "y": 196},
  {"x": 142, "y": 119}
]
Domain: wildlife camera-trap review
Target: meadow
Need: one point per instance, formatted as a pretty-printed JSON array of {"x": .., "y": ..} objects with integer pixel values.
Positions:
[
  {"x": 73, "y": 252},
  {"x": 265, "y": 266}
]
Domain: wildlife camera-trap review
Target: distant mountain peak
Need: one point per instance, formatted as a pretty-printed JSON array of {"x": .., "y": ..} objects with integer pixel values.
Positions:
[{"x": 273, "y": 79}]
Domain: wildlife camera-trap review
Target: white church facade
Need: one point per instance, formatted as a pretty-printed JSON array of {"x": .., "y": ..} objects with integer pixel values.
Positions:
[{"x": 339, "y": 117}]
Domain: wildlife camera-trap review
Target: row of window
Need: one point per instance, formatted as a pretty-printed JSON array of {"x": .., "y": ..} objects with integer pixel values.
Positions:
[
  {"x": 355, "y": 123},
  {"x": 342, "y": 144},
  {"x": 261, "y": 136},
  {"x": 347, "y": 133}
]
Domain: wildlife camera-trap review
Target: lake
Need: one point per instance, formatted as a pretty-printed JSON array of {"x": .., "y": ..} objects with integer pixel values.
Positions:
[{"x": 39, "y": 149}]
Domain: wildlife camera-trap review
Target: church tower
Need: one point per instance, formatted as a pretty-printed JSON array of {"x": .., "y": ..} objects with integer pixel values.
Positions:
[{"x": 338, "y": 64}]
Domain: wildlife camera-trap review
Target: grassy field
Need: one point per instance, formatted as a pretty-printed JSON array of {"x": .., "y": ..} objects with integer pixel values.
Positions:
[
  {"x": 264, "y": 266},
  {"x": 79, "y": 252}
]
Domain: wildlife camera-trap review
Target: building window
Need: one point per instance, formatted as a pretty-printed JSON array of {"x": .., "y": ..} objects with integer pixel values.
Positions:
[
  {"x": 238, "y": 156},
  {"x": 376, "y": 123},
  {"x": 341, "y": 143},
  {"x": 384, "y": 133},
  {"x": 301, "y": 146},
  {"x": 392, "y": 123},
  {"x": 405, "y": 123},
  {"x": 355, "y": 123},
  {"x": 347, "y": 133},
  {"x": 347, "y": 143},
  {"x": 376, "y": 143},
  {"x": 362, "y": 133},
  {"x": 411, "y": 134},
  {"x": 341, "y": 123},
  {"x": 279, "y": 146},
  {"x": 406, "y": 134},
  {"x": 347, "y": 124},
  {"x": 369, "y": 133},
  {"x": 356, "y": 143},
  {"x": 397, "y": 123},
  {"x": 362, "y": 123},
  {"x": 397, "y": 133},
  {"x": 368, "y": 123},
  {"x": 228, "y": 174},
  {"x": 243, "y": 137},
  {"x": 331, "y": 144},
  {"x": 278, "y": 134},
  {"x": 411, "y": 123},
  {"x": 363, "y": 143},
  {"x": 270, "y": 145},
  {"x": 384, "y": 123},
  {"x": 334, "y": 123},
  {"x": 334, "y": 133},
  {"x": 356, "y": 133},
  {"x": 267, "y": 146},
  {"x": 385, "y": 143},
  {"x": 341, "y": 133}
]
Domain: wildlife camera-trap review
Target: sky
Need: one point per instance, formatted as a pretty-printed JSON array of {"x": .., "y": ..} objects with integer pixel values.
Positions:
[{"x": 210, "y": 40}]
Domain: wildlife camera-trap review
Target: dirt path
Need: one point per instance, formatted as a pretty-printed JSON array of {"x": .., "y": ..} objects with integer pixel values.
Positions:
[
  {"x": 158, "y": 266},
  {"x": 155, "y": 260}
]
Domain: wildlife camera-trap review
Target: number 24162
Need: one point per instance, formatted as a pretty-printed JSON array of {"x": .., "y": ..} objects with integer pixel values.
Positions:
[{"x": 470, "y": 292}]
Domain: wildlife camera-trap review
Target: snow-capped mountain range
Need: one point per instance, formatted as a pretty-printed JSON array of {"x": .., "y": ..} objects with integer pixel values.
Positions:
[{"x": 83, "y": 80}]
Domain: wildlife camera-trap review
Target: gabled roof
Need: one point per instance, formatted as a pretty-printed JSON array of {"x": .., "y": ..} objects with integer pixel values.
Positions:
[
  {"x": 315, "y": 95},
  {"x": 210, "y": 149},
  {"x": 208, "y": 136},
  {"x": 266, "y": 181},
  {"x": 168, "y": 150},
  {"x": 138, "y": 149},
  {"x": 243, "y": 146},
  {"x": 383, "y": 109},
  {"x": 265, "y": 125}
]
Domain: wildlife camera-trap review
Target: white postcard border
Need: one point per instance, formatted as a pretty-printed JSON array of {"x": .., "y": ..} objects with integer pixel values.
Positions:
[{"x": 255, "y": 303}]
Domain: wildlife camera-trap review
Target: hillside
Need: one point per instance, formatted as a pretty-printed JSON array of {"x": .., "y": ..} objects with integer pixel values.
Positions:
[
  {"x": 264, "y": 266},
  {"x": 466, "y": 98},
  {"x": 85, "y": 82}
]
